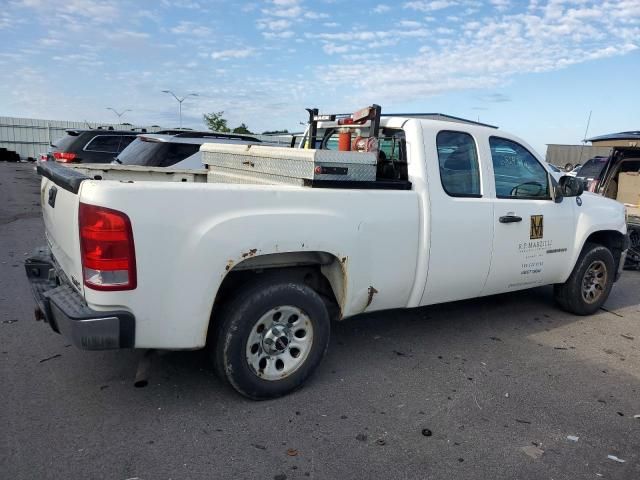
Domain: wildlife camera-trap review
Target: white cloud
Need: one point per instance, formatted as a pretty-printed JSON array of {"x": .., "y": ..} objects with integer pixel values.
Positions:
[
  {"x": 429, "y": 6},
  {"x": 501, "y": 5},
  {"x": 489, "y": 51},
  {"x": 191, "y": 28},
  {"x": 332, "y": 48},
  {"x": 315, "y": 15},
  {"x": 233, "y": 53},
  {"x": 181, "y": 4},
  {"x": 284, "y": 34},
  {"x": 280, "y": 24},
  {"x": 382, "y": 8},
  {"x": 126, "y": 35},
  {"x": 410, "y": 24},
  {"x": 331, "y": 24}
]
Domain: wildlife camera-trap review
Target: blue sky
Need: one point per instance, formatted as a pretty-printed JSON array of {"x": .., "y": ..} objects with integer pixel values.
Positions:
[{"x": 535, "y": 68}]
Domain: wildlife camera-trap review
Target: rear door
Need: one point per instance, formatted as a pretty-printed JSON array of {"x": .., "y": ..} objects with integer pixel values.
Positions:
[
  {"x": 534, "y": 235},
  {"x": 460, "y": 216}
]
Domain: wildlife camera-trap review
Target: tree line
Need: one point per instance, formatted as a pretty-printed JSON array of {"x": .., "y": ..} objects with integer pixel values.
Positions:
[{"x": 216, "y": 122}]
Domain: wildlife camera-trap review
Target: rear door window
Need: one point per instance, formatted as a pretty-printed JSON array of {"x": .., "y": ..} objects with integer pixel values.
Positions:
[
  {"x": 104, "y": 143},
  {"x": 458, "y": 161}
]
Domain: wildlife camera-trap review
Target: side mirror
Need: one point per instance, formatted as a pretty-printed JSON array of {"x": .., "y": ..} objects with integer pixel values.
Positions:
[{"x": 570, "y": 186}]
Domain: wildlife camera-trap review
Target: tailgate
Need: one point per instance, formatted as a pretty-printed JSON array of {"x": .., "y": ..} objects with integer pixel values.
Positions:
[{"x": 59, "y": 198}]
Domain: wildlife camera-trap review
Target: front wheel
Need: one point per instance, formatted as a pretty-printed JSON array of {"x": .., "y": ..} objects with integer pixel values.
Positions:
[
  {"x": 590, "y": 282},
  {"x": 271, "y": 337}
]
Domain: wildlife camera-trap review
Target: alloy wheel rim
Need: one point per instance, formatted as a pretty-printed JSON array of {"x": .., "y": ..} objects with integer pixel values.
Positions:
[
  {"x": 279, "y": 342},
  {"x": 594, "y": 281}
]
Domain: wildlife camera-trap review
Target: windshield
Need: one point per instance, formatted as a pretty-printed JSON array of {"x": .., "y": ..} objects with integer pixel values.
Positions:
[
  {"x": 63, "y": 143},
  {"x": 140, "y": 152},
  {"x": 156, "y": 154},
  {"x": 592, "y": 168}
]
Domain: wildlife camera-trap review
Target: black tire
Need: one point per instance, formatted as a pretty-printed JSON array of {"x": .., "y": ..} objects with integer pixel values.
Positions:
[
  {"x": 235, "y": 325},
  {"x": 569, "y": 295}
]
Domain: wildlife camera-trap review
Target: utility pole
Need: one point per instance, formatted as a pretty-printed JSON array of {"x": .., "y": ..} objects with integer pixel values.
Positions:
[{"x": 180, "y": 100}]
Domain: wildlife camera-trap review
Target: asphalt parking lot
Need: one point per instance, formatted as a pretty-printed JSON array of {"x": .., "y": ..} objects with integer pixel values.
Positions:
[{"x": 488, "y": 388}]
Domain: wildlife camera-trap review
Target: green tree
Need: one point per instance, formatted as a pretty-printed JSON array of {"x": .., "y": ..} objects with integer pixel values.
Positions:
[
  {"x": 275, "y": 132},
  {"x": 242, "y": 128},
  {"x": 216, "y": 122}
]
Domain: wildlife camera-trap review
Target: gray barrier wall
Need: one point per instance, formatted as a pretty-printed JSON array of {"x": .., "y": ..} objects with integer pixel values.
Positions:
[{"x": 560, "y": 155}]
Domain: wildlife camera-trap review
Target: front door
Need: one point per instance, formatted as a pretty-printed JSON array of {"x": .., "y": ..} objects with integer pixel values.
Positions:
[{"x": 534, "y": 235}]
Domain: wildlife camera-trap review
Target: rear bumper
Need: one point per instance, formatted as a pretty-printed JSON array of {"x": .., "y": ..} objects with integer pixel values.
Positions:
[{"x": 65, "y": 310}]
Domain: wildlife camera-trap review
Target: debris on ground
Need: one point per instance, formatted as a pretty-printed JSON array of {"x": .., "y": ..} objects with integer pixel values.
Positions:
[
  {"x": 533, "y": 452},
  {"x": 280, "y": 476},
  {"x": 292, "y": 452},
  {"x": 361, "y": 437},
  {"x": 9, "y": 322},
  {"x": 381, "y": 441},
  {"x": 258, "y": 446},
  {"x": 628, "y": 337},
  {"x": 506, "y": 395},
  {"x": 615, "y": 459},
  {"x": 636, "y": 417},
  {"x": 426, "y": 432},
  {"x": 573, "y": 438},
  {"x": 50, "y": 358},
  {"x": 523, "y": 421}
]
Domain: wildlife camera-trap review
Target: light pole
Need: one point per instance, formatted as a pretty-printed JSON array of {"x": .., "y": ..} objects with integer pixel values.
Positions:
[
  {"x": 180, "y": 100},
  {"x": 119, "y": 114}
]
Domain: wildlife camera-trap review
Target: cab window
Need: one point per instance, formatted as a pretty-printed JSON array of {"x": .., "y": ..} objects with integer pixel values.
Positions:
[
  {"x": 392, "y": 151},
  {"x": 517, "y": 173},
  {"x": 458, "y": 161},
  {"x": 392, "y": 155}
]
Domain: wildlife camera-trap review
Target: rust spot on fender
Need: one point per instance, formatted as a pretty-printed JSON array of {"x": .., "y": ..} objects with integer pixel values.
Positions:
[
  {"x": 229, "y": 265},
  {"x": 344, "y": 259},
  {"x": 250, "y": 253},
  {"x": 372, "y": 292}
]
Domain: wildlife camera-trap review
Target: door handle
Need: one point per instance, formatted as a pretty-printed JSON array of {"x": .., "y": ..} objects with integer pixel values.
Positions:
[{"x": 510, "y": 219}]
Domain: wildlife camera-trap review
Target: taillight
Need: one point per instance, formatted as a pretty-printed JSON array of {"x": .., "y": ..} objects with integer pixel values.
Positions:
[
  {"x": 107, "y": 249},
  {"x": 64, "y": 157}
]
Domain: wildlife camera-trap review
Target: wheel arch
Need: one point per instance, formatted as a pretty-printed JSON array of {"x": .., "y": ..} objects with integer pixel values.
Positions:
[
  {"x": 612, "y": 239},
  {"x": 324, "y": 272}
]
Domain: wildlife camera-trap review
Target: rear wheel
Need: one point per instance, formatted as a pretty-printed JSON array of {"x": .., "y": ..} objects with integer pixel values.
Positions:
[
  {"x": 589, "y": 285},
  {"x": 270, "y": 338}
]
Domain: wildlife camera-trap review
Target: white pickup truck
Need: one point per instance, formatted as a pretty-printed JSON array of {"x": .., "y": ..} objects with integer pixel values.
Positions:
[{"x": 163, "y": 259}]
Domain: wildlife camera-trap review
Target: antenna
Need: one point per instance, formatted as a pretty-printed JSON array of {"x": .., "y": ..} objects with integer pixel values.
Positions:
[{"x": 584, "y": 139}]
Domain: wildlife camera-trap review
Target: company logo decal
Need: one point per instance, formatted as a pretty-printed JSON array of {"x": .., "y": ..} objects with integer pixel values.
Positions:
[{"x": 536, "y": 230}]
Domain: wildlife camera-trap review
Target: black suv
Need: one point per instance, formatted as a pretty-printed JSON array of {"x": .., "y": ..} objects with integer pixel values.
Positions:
[{"x": 91, "y": 146}]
